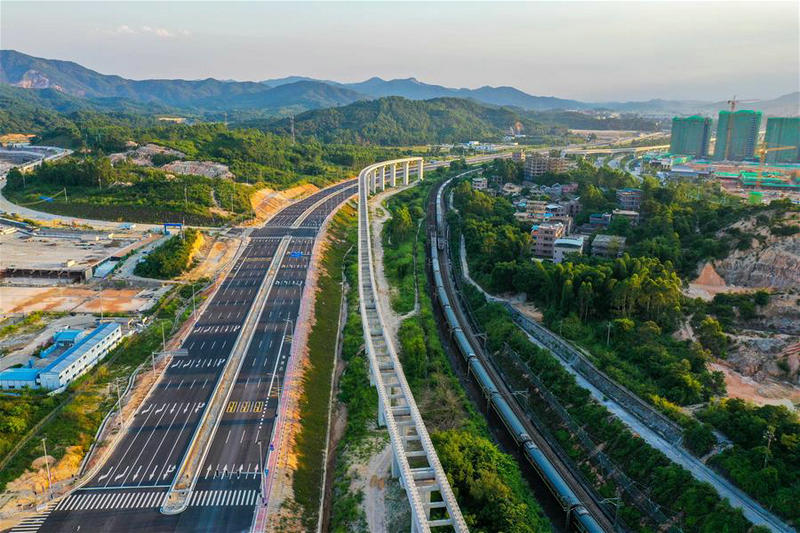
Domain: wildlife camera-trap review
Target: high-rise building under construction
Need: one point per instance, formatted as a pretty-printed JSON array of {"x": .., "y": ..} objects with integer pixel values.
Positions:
[
  {"x": 690, "y": 136},
  {"x": 783, "y": 132},
  {"x": 737, "y": 135}
]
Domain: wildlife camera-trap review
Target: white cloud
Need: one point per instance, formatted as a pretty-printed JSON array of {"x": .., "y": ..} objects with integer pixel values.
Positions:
[{"x": 162, "y": 33}]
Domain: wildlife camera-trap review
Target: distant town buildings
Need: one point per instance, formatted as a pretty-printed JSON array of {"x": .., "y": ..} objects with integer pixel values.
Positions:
[
  {"x": 544, "y": 237},
  {"x": 599, "y": 220},
  {"x": 783, "y": 132},
  {"x": 83, "y": 351},
  {"x": 480, "y": 184},
  {"x": 632, "y": 216},
  {"x": 608, "y": 245},
  {"x": 629, "y": 198},
  {"x": 538, "y": 164},
  {"x": 690, "y": 136},
  {"x": 737, "y": 135},
  {"x": 518, "y": 156},
  {"x": 567, "y": 245}
]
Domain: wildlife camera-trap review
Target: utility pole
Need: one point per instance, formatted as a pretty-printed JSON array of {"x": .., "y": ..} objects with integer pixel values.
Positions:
[
  {"x": 194, "y": 305},
  {"x": 163, "y": 339},
  {"x": 769, "y": 434},
  {"x": 47, "y": 464},
  {"x": 66, "y": 200},
  {"x": 153, "y": 358},
  {"x": 119, "y": 397}
]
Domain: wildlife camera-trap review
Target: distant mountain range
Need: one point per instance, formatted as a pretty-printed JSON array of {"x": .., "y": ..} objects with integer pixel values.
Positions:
[{"x": 295, "y": 94}]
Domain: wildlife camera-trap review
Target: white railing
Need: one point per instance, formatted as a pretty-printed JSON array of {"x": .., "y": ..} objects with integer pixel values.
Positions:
[{"x": 397, "y": 410}]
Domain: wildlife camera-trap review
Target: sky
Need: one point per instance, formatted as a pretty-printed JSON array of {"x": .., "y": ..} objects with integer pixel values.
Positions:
[{"x": 591, "y": 51}]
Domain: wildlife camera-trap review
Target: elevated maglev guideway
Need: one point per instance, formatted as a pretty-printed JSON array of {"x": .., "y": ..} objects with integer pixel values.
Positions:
[{"x": 414, "y": 458}]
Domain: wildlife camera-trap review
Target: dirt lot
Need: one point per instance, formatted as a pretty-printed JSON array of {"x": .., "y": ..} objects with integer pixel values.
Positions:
[
  {"x": 71, "y": 299},
  {"x": 709, "y": 283},
  {"x": 48, "y": 252},
  {"x": 213, "y": 256},
  {"x": 267, "y": 201},
  {"x": 764, "y": 393}
]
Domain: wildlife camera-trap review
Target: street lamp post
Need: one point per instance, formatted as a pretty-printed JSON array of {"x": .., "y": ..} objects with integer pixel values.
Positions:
[
  {"x": 47, "y": 464},
  {"x": 261, "y": 470}
]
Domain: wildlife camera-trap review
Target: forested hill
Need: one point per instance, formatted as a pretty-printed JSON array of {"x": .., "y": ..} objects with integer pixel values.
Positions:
[{"x": 397, "y": 121}]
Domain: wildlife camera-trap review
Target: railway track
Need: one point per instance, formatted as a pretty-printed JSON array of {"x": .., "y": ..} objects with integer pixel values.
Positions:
[{"x": 579, "y": 502}]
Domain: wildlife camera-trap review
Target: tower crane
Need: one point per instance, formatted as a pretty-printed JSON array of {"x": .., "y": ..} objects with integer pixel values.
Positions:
[
  {"x": 732, "y": 102},
  {"x": 763, "y": 150}
]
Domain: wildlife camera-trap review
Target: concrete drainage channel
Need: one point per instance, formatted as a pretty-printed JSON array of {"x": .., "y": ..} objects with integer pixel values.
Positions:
[{"x": 179, "y": 494}]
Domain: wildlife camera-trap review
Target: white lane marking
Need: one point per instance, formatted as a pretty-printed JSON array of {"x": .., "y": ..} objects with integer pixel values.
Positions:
[
  {"x": 169, "y": 455},
  {"x": 155, "y": 453}
]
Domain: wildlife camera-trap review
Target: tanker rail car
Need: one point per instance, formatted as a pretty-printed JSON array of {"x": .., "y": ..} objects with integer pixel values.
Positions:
[{"x": 582, "y": 512}]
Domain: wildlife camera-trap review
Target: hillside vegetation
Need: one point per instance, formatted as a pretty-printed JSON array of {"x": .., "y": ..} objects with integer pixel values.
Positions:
[
  {"x": 398, "y": 121},
  {"x": 95, "y": 189}
]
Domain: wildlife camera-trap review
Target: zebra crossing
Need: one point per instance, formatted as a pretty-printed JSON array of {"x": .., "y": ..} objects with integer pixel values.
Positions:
[
  {"x": 98, "y": 500},
  {"x": 104, "y": 500},
  {"x": 223, "y": 498},
  {"x": 33, "y": 523}
]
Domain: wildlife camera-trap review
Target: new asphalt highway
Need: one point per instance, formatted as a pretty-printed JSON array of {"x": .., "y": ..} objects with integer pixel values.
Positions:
[{"x": 128, "y": 490}]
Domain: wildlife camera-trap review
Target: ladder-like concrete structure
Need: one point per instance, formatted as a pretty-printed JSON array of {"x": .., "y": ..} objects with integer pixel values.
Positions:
[{"x": 414, "y": 458}]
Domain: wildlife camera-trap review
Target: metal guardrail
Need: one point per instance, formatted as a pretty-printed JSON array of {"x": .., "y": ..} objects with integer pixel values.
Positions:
[{"x": 411, "y": 444}]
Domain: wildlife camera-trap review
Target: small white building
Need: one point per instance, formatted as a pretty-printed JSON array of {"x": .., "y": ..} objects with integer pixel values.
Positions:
[{"x": 567, "y": 245}]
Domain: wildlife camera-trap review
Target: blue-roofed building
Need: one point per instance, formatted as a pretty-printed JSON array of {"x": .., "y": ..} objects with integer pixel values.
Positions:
[
  {"x": 85, "y": 352},
  {"x": 19, "y": 378},
  {"x": 67, "y": 336}
]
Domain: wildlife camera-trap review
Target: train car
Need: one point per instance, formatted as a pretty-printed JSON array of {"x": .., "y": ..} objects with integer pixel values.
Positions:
[
  {"x": 510, "y": 419},
  {"x": 440, "y": 292},
  {"x": 483, "y": 378},
  {"x": 584, "y": 521},
  {"x": 463, "y": 344},
  {"x": 560, "y": 490}
]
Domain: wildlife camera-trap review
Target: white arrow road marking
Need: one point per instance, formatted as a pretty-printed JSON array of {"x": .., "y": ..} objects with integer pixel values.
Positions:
[
  {"x": 169, "y": 471},
  {"x": 153, "y": 473},
  {"x": 122, "y": 474},
  {"x": 163, "y": 406},
  {"x": 106, "y": 474},
  {"x": 145, "y": 411},
  {"x": 137, "y": 472}
]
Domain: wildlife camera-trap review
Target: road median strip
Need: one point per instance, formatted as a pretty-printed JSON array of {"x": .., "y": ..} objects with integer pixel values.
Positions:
[{"x": 180, "y": 492}]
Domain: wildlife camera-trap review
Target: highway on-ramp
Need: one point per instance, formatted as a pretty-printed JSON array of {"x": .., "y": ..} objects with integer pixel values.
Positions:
[{"x": 127, "y": 492}]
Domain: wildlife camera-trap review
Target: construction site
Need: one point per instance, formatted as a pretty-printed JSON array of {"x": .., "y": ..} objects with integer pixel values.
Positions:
[{"x": 751, "y": 162}]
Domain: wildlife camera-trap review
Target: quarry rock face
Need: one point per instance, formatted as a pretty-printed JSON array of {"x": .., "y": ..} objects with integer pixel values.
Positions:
[{"x": 776, "y": 265}]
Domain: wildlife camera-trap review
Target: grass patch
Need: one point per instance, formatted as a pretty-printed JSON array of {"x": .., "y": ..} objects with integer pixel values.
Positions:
[
  {"x": 314, "y": 404},
  {"x": 361, "y": 438}
]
